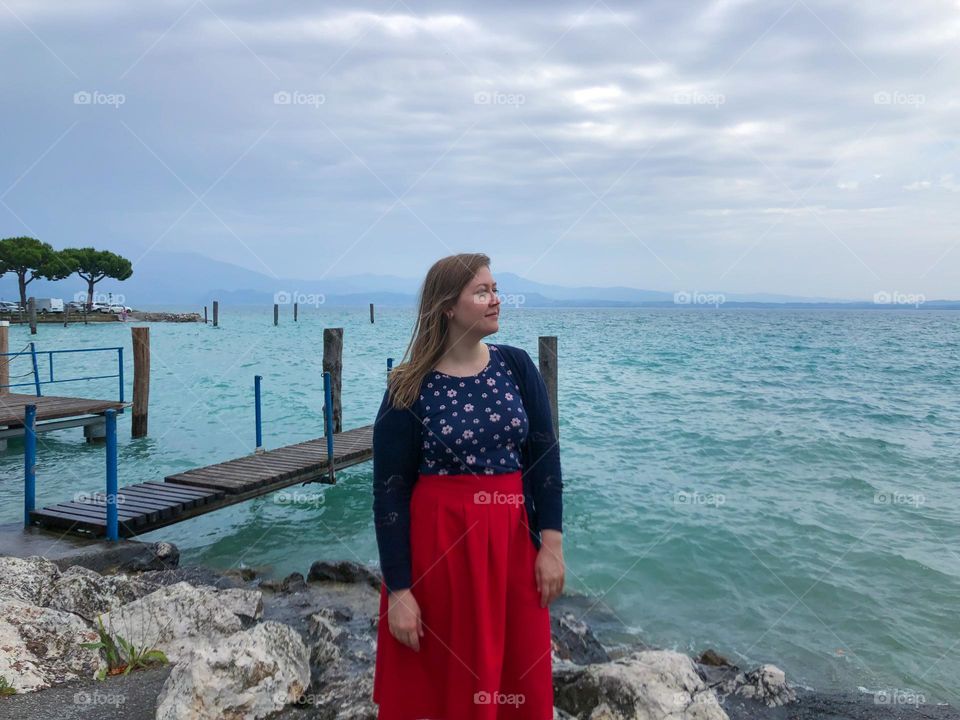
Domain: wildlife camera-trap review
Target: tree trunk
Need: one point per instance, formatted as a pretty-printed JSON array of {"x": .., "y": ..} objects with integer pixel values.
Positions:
[{"x": 22, "y": 277}]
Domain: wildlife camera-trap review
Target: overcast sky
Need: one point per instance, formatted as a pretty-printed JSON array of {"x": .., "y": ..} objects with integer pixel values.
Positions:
[{"x": 803, "y": 147}]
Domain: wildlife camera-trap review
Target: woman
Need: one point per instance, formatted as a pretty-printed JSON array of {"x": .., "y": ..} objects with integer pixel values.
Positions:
[{"x": 467, "y": 503}]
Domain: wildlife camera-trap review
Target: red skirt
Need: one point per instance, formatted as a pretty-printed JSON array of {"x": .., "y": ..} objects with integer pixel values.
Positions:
[{"x": 486, "y": 652}]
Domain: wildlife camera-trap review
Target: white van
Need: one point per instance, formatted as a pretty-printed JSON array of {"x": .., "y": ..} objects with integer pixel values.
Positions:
[{"x": 45, "y": 305}]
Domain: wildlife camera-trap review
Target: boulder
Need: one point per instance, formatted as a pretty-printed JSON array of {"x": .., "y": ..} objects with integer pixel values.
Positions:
[
  {"x": 174, "y": 618},
  {"x": 88, "y": 594},
  {"x": 249, "y": 674},
  {"x": 40, "y": 647},
  {"x": 344, "y": 571},
  {"x": 647, "y": 685},
  {"x": 28, "y": 580}
]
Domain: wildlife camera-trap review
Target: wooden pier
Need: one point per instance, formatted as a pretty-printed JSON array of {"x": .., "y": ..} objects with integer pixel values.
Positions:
[
  {"x": 69, "y": 411},
  {"x": 147, "y": 506}
]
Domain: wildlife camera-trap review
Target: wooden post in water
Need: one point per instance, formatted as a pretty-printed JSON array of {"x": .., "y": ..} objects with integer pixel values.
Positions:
[
  {"x": 276, "y": 314},
  {"x": 141, "y": 380},
  {"x": 32, "y": 313},
  {"x": 295, "y": 308},
  {"x": 333, "y": 364},
  {"x": 4, "y": 360},
  {"x": 216, "y": 313},
  {"x": 547, "y": 357},
  {"x": 204, "y": 314},
  {"x": 371, "y": 312}
]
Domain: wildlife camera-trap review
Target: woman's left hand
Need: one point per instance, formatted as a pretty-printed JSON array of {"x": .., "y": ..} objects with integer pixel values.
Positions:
[{"x": 549, "y": 566}]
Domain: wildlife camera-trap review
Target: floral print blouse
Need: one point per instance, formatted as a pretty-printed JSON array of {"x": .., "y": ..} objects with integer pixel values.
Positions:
[{"x": 472, "y": 424}]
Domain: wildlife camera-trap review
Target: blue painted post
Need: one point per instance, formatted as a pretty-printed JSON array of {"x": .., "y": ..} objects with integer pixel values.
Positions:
[
  {"x": 256, "y": 403},
  {"x": 50, "y": 358},
  {"x": 120, "y": 370},
  {"x": 112, "y": 489},
  {"x": 328, "y": 419},
  {"x": 29, "y": 462},
  {"x": 36, "y": 372},
  {"x": 389, "y": 365}
]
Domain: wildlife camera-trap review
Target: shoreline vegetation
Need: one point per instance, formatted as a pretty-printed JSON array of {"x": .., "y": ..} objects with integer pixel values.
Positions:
[{"x": 175, "y": 642}]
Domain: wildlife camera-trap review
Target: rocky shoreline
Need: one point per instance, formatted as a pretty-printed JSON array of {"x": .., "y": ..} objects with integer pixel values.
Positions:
[
  {"x": 242, "y": 646},
  {"x": 165, "y": 316}
]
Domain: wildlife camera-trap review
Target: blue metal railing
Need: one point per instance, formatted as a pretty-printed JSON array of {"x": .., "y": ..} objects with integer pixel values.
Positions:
[{"x": 37, "y": 382}]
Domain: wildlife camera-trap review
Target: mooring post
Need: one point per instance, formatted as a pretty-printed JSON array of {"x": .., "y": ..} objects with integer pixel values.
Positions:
[
  {"x": 333, "y": 363},
  {"x": 547, "y": 356},
  {"x": 4, "y": 360},
  {"x": 204, "y": 314},
  {"x": 112, "y": 489},
  {"x": 328, "y": 420},
  {"x": 141, "y": 381},
  {"x": 295, "y": 309},
  {"x": 29, "y": 462},
  {"x": 256, "y": 411},
  {"x": 32, "y": 313},
  {"x": 36, "y": 371},
  {"x": 389, "y": 365},
  {"x": 371, "y": 312},
  {"x": 216, "y": 313},
  {"x": 276, "y": 313}
]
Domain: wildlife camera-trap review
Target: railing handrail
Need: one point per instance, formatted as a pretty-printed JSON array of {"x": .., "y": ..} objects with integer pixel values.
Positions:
[{"x": 33, "y": 353}]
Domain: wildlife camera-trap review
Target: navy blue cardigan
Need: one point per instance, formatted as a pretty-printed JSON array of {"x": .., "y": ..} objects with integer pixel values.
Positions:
[{"x": 397, "y": 443}]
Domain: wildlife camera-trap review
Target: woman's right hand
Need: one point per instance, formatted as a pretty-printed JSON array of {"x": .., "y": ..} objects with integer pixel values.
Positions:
[{"x": 403, "y": 616}]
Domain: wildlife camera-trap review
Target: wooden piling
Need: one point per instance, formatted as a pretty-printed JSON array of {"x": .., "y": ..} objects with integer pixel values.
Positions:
[
  {"x": 32, "y": 313},
  {"x": 204, "y": 314},
  {"x": 141, "y": 380},
  {"x": 4, "y": 360},
  {"x": 295, "y": 308},
  {"x": 216, "y": 313},
  {"x": 333, "y": 364},
  {"x": 547, "y": 358},
  {"x": 276, "y": 314},
  {"x": 371, "y": 312}
]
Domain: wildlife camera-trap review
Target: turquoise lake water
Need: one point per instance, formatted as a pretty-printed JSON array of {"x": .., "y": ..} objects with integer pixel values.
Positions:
[{"x": 780, "y": 485}]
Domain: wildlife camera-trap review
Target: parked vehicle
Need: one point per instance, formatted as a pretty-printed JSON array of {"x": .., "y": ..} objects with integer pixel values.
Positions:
[
  {"x": 49, "y": 305},
  {"x": 9, "y": 306}
]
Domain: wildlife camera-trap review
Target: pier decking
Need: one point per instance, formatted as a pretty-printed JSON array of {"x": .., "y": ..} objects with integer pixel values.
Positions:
[
  {"x": 147, "y": 506},
  {"x": 51, "y": 407}
]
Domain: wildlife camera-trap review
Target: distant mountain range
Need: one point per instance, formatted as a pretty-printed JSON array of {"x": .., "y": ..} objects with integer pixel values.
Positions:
[{"x": 163, "y": 278}]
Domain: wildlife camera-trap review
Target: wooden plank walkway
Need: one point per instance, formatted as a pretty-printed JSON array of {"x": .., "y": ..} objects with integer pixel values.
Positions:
[
  {"x": 148, "y": 506},
  {"x": 51, "y": 407}
]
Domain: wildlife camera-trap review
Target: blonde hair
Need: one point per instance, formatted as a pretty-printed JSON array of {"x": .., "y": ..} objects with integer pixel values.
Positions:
[{"x": 440, "y": 291}]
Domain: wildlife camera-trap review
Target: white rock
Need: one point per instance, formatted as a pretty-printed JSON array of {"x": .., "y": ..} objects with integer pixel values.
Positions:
[
  {"x": 87, "y": 593},
  {"x": 29, "y": 580},
  {"x": 647, "y": 685},
  {"x": 249, "y": 674},
  {"x": 176, "y": 617},
  {"x": 40, "y": 647}
]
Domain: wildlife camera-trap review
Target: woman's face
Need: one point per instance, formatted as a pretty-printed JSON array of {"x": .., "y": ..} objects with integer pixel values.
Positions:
[{"x": 478, "y": 308}]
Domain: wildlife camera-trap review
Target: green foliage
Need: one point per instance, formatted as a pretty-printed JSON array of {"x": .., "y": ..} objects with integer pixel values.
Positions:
[
  {"x": 121, "y": 655},
  {"x": 94, "y": 265},
  {"x": 5, "y": 687}
]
